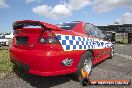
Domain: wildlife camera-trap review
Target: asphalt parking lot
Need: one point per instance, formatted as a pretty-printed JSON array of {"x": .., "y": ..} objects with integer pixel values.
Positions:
[{"x": 120, "y": 67}]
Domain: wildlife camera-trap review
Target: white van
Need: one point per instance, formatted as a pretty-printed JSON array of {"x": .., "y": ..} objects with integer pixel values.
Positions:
[
  {"x": 9, "y": 36},
  {"x": 3, "y": 41}
]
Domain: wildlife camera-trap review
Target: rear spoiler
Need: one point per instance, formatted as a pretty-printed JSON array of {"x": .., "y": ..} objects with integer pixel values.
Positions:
[{"x": 24, "y": 23}]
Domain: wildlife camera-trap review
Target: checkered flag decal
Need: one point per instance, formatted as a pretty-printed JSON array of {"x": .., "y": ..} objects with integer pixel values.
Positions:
[
  {"x": 75, "y": 42},
  {"x": 70, "y": 42}
]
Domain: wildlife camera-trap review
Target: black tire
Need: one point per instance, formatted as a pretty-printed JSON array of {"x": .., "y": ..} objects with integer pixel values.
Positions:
[
  {"x": 85, "y": 82},
  {"x": 86, "y": 57},
  {"x": 111, "y": 53}
]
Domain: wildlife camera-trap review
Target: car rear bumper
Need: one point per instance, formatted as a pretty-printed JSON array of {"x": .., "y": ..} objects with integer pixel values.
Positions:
[{"x": 45, "y": 63}]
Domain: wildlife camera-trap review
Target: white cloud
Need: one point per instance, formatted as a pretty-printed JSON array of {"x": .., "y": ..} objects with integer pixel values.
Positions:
[
  {"x": 108, "y": 5},
  {"x": 42, "y": 10},
  {"x": 60, "y": 10},
  {"x": 126, "y": 18},
  {"x": 3, "y": 4},
  {"x": 77, "y": 4},
  {"x": 52, "y": 12},
  {"x": 30, "y": 1}
]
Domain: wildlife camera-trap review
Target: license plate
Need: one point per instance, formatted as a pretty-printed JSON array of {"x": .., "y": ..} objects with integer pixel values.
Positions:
[{"x": 21, "y": 40}]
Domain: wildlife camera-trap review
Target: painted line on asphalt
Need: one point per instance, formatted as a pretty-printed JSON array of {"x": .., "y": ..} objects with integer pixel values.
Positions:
[
  {"x": 125, "y": 56},
  {"x": 121, "y": 45}
]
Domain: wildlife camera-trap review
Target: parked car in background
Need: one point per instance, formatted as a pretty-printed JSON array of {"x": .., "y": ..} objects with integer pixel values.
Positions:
[
  {"x": 50, "y": 50},
  {"x": 3, "y": 40},
  {"x": 9, "y": 35}
]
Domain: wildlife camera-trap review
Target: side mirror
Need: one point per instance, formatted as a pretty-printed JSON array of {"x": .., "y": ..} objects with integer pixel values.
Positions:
[
  {"x": 107, "y": 38},
  {"x": 113, "y": 42}
]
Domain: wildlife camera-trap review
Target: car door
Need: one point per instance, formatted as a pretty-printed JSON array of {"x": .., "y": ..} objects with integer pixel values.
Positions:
[
  {"x": 93, "y": 33},
  {"x": 106, "y": 50},
  {"x": 101, "y": 44}
]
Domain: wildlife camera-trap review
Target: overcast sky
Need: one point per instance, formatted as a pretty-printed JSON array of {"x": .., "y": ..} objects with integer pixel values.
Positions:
[{"x": 98, "y": 12}]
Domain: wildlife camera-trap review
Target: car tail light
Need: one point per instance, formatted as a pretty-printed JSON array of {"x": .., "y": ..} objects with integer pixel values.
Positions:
[{"x": 48, "y": 37}]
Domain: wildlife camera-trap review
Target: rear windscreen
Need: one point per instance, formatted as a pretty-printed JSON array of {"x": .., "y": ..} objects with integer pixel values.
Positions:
[
  {"x": 67, "y": 26},
  {"x": 20, "y": 25}
]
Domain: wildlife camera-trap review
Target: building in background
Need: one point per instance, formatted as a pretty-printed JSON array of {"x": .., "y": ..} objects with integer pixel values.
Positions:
[{"x": 120, "y": 33}]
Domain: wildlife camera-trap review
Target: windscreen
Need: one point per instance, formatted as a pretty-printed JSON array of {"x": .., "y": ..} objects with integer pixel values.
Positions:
[{"x": 67, "y": 26}]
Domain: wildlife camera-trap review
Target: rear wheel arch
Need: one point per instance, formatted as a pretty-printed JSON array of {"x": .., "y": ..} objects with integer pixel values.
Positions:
[
  {"x": 92, "y": 52},
  {"x": 85, "y": 58},
  {"x": 89, "y": 50}
]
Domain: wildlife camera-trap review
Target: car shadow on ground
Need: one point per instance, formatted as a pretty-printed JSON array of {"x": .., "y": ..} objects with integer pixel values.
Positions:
[
  {"x": 44, "y": 82},
  {"x": 40, "y": 81}
]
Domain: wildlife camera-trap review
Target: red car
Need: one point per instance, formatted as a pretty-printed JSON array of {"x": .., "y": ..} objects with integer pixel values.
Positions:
[{"x": 48, "y": 50}]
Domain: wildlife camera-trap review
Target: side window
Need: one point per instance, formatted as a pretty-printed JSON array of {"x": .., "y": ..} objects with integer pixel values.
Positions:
[
  {"x": 87, "y": 29},
  {"x": 101, "y": 35},
  {"x": 91, "y": 30},
  {"x": 95, "y": 32}
]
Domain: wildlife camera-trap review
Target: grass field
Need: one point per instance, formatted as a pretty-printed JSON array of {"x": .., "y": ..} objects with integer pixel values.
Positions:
[{"x": 5, "y": 64}]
